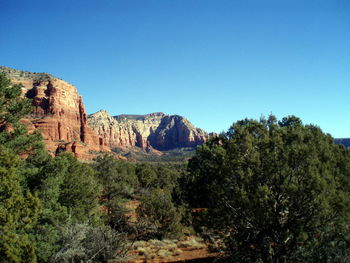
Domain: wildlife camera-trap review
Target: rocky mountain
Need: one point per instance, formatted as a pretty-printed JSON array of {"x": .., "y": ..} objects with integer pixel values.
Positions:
[
  {"x": 59, "y": 113},
  {"x": 156, "y": 130}
]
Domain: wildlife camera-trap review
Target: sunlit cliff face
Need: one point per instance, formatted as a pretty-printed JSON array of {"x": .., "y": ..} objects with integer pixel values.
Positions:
[{"x": 161, "y": 131}]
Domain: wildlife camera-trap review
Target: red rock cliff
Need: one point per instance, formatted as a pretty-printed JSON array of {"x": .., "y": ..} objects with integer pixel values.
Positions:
[{"x": 59, "y": 114}]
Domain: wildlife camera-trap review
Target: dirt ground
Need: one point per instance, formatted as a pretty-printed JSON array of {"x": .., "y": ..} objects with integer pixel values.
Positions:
[{"x": 186, "y": 256}]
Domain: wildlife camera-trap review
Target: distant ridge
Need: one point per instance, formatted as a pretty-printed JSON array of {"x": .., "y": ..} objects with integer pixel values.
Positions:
[
  {"x": 155, "y": 130},
  {"x": 137, "y": 116},
  {"x": 343, "y": 141}
]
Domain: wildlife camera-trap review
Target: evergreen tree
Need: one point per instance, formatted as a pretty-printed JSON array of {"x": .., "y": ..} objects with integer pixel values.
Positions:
[
  {"x": 80, "y": 190},
  {"x": 275, "y": 191},
  {"x": 67, "y": 189},
  {"x": 159, "y": 212},
  {"x": 19, "y": 209},
  {"x": 167, "y": 177},
  {"x": 146, "y": 175},
  {"x": 18, "y": 212},
  {"x": 118, "y": 180}
]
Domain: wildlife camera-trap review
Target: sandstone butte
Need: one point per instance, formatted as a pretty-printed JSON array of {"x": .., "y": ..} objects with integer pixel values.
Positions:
[
  {"x": 59, "y": 114},
  {"x": 152, "y": 131}
]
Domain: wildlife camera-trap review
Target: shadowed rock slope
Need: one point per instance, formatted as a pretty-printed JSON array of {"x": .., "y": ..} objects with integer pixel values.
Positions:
[{"x": 157, "y": 130}]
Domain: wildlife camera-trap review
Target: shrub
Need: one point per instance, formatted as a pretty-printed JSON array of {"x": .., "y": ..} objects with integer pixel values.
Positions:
[{"x": 159, "y": 211}]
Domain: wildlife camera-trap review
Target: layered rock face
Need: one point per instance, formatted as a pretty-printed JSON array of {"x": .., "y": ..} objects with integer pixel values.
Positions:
[
  {"x": 157, "y": 130},
  {"x": 59, "y": 114}
]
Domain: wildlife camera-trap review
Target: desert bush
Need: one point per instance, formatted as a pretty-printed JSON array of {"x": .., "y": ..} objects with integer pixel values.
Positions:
[
  {"x": 159, "y": 211},
  {"x": 191, "y": 244},
  {"x": 163, "y": 253},
  {"x": 84, "y": 243},
  {"x": 140, "y": 244},
  {"x": 147, "y": 252},
  {"x": 156, "y": 243},
  {"x": 171, "y": 246}
]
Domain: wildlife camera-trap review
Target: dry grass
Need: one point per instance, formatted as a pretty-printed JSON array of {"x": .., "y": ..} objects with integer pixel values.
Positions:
[
  {"x": 163, "y": 253},
  {"x": 191, "y": 244},
  {"x": 167, "y": 249},
  {"x": 177, "y": 252},
  {"x": 147, "y": 252}
]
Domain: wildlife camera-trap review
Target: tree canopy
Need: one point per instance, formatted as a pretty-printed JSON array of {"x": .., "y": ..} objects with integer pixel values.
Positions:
[
  {"x": 276, "y": 191},
  {"x": 19, "y": 211}
]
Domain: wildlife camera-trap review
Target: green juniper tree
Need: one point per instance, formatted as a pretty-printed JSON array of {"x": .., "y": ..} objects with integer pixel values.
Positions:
[
  {"x": 118, "y": 180},
  {"x": 158, "y": 211},
  {"x": 80, "y": 190},
  {"x": 276, "y": 191},
  {"x": 146, "y": 175}
]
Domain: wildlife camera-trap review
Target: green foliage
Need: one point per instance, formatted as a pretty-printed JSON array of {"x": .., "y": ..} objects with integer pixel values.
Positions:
[
  {"x": 85, "y": 243},
  {"x": 13, "y": 107},
  {"x": 160, "y": 179},
  {"x": 117, "y": 177},
  {"x": 273, "y": 190},
  {"x": 177, "y": 155},
  {"x": 160, "y": 213},
  {"x": 118, "y": 180},
  {"x": 167, "y": 177},
  {"x": 80, "y": 190},
  {"x": 104, "y": 243},
  {"x": 71, "y": 240},
  {"x": 65, "y": 181},
  {"x": 159, "y": 175},
  {"x": 146, "y": 175},
  {"x": 18, "y": 212},
  {"x": 331, "y": 245},
  {"x": 19, "y": 208},
  {"x": 67, "y": 188},
  {"x": 25, "y": 75}
]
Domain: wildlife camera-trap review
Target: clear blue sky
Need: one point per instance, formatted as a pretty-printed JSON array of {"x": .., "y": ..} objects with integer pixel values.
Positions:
[{"x": 214, "y": 61}]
